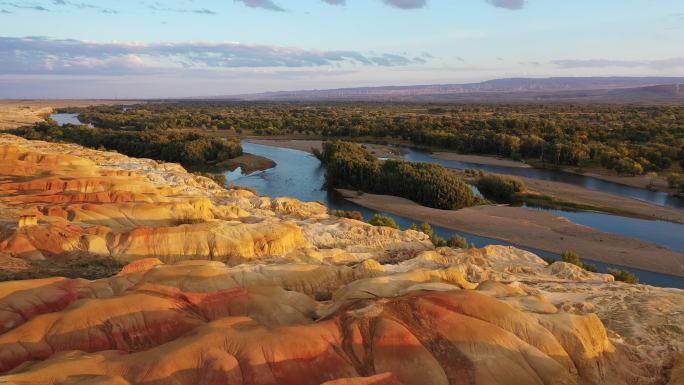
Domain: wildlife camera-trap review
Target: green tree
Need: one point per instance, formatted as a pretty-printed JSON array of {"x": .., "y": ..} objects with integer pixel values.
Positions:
[{"x": 500, "y": 188}]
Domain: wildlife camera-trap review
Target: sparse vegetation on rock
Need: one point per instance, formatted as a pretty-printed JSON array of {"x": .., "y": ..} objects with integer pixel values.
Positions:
[
  {"x": 623, "y": 276},
  {"x": 457, "y": 241},
  {"x": 348, "y": 214},
  {"x": 379, "y": 220},
  {"x": 570, "y": 257}
]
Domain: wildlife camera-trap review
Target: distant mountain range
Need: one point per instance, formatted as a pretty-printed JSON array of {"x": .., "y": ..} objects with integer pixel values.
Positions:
[{"x": 568, "y": 89}]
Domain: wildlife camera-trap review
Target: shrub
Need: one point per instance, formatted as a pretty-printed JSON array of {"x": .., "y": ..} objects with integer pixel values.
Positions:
[
  {"x": 348, "y": 214},
  {"x": 500, "y": 188},
  {"x": 624, "y": 276},
  {"x": 570, "y": 257},
  {"x": 676, "y": 181},
  {"x": 379, "y": 220},
  {"x": 237, "y": 187},
  {"x": 426, "y": 229},
  {"x": 457, "y": 241},
  {"x": 220, "y": 179},
  {"x": 590, "y": 267}
]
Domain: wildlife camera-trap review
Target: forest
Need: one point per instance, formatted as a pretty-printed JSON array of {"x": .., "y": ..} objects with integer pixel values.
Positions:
[
  {"x": 348, "y": 165},
  {"x": 628, "y": 139},
  {"x": 187, "y": 148}
]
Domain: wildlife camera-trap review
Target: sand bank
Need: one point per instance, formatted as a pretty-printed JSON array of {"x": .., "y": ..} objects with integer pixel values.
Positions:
[
  {"x": 535, "y": 229},
  {"x": 378, "y": 150},
  {"x": 478, "y": 159},
  {"x": 611, "y": 202},
  {"x": 249, "y": 163}
]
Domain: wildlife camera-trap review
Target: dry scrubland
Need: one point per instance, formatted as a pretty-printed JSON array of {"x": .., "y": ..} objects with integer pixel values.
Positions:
[{"x": 224, "y": 286}]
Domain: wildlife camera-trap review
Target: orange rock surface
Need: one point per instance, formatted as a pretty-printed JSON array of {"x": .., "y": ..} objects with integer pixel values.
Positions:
[
  {"x": 226, "y": 287},
  {"x": 161, "y": 324}
]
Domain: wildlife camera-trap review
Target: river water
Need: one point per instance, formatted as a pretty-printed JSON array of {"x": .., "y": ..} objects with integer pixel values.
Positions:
[
  {"x": 63, "y": 119},
  {"x": 300, "y": 175},
  {"x": 657, "y": 197}
]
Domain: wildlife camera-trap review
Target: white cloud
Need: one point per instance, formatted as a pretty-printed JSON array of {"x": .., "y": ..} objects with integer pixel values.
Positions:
[
  {"x": 406, "y": 4},
  {"x": 265, "y": 4},
  {"x": 35, "y": 55},
  {"x": 508, "y": 4}
]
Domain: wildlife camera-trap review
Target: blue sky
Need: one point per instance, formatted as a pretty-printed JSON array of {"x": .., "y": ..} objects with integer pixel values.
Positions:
[{"x": 141, "y": 48}]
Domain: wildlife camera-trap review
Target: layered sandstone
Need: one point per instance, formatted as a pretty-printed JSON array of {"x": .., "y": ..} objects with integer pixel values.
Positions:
[{"x": 227, "y": 287}]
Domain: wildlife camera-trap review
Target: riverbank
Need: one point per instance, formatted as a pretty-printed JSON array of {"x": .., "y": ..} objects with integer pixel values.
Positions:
[
  {"x": 536, "y": 229},
  {"x": 582, "y": 197},
  {"x": 639, "y": 181},
  {"x": 658, "y": 183},
  {"x": 377, "y": 150},
  {"x": 248, "y": 163},
  {"x": 594, "y": 200},
  {"x": 478, "y": 159}
]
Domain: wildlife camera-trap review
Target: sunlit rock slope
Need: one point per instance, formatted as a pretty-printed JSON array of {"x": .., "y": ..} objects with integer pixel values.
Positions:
[{"x": 227, "y": 287}]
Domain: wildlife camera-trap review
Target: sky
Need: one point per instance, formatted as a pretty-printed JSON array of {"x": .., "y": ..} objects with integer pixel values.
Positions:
[{"x": 194, "y": 48}]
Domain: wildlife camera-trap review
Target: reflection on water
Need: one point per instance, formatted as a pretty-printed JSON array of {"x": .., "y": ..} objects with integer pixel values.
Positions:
[
  {"x": 300, "y": 175},
  {"x": 657, "y": 197}
]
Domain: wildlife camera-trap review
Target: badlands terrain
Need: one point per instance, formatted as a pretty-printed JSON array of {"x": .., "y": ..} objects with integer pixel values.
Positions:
[{"x": 222, "y": 286}]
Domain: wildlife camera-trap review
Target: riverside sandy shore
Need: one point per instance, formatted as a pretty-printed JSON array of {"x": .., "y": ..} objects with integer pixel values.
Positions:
[
  {"x": 478, "y": 159},
  {"x": 535, "y": 229},
  {"x": 626, "y": 206},
  {"x": 378, "y": 150},
  {"x": 640, "y": 181}
]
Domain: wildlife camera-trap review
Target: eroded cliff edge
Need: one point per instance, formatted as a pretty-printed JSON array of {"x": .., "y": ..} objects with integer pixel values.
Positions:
[{"x": 224, "y": 286}]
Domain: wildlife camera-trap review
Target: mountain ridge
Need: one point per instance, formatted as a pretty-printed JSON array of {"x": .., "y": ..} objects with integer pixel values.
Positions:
[{"x": 615, "y": 89}]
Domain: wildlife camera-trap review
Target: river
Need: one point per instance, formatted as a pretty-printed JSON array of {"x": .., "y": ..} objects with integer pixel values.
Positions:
[
  {"x": 657, "y": 197},
  {"x": 300, "y": 175},
  {"x": 63, "y": 119}
]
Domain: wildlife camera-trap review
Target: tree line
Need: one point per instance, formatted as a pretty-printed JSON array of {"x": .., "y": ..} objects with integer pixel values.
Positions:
[
  {"x": 628, "y": 139},
  {"x": 348, "y": 165},
  {"x": 169, "y": 146}
]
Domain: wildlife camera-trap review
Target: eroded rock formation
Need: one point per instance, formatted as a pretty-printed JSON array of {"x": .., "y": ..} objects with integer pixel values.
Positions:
[{"x": 226, "y": 287}]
